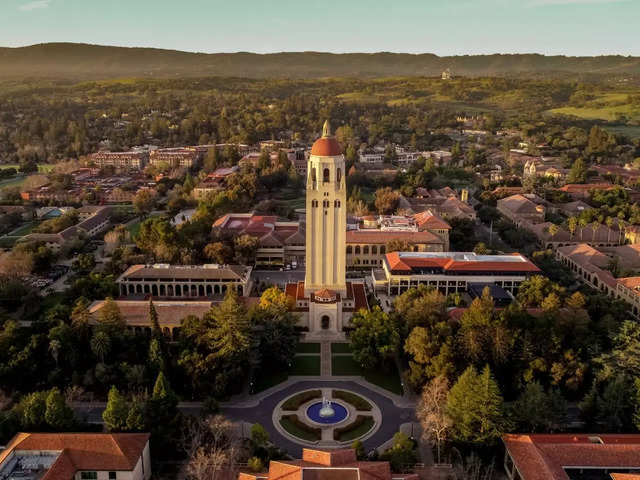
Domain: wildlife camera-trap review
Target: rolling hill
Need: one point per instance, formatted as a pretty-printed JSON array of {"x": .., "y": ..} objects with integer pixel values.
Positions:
[{"x": 83, "y": 61}]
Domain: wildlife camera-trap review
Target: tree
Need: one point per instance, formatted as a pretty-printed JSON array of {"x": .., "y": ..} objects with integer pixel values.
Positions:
[
  {"x": 572, "y": 223},
  {"x": 100, "y": 345},
  {"x": 535, "y": 289},
  {"x": 218, "y": 252},
  {"x": 145, "y": 201},
  {"x": 578, "y": 172},
  {"x": 156, "y": 355},
  {"x": 109, "y": 317},
  {"x": 116, "y": 413},
  {"x": 245, "y": 249},
  {"x": 537, "y": 411},
  {"x": 402, "y": 453},
  {"x": 54, "y": 347},
  {"x": 212, "y": 448},
  {"x": 187, "y": 186},
  {"x": 58, "y": 414},
  {"x": 432, "y": 412},
  {"x": 32, "y": 409},
  {"x": 624, "y": 357},
  {"x": 231, "y": 335},
  {"x": 475, "y": 406},
  {"x": 374, "y": 339},
  {"x": 274, "y": 299},
  {"x": 153, "y": 320},
  {"x": 358, "y": 446},
  {"x": 135, "y": 417},
  {"x": 386, "y": 200},
  {"x": 259, "y": 436}
]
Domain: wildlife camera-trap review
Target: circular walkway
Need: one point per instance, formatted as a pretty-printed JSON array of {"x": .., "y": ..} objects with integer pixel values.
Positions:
[{"x": 392, "y": 416}]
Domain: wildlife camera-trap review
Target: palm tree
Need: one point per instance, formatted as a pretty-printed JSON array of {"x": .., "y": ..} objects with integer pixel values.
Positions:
[
  {"x": 572, "y": 224},
  {"x": 100, "y": 345},
  {"x": 553, "y": 230},
  {"x": 609, "y": 225},
  {"x": 54, "y": 348},
  {"x": 583, "y": 223},
  {"x": 595, "y": 226}
]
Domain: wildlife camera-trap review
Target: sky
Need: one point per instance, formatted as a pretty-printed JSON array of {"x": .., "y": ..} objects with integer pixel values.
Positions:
[{"x": 443, "y": 27}]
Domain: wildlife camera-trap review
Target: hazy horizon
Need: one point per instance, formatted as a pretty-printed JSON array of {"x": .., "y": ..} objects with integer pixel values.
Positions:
[{"x": 481, "y": 27}]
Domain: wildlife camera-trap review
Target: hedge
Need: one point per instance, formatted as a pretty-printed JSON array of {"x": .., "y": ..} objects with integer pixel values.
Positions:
[
  {"x": 293, "y": 403},
  {"x": 361, "y": 425},
  {"x": 356, "y": 400},
  {"x": 293, "y": 425}
]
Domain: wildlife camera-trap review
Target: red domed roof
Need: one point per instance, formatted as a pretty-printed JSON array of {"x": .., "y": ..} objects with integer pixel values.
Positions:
[{"x": 326, "y": 147}]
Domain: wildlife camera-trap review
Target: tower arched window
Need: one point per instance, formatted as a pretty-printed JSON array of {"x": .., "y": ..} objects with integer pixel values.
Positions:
[
  {"x": 314, "y": 203},
  {"x": 313, "y": 174},
  {"x": 325, "y": 175},
  {"x": 336, "y": 204},
  {"x": 338, "y": 175}
]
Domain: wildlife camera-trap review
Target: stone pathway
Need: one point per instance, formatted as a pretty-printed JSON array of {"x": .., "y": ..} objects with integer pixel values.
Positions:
[{"x": 325, "y": 359}]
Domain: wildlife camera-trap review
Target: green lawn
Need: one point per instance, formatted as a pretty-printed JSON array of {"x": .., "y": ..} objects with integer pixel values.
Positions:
[
  {"x": 23, "y": 230},
  {"x": 351, "y": 434},
  {"x": 340, "y": 348},
  {"x": 346, "y": 365},
  {"x": 267, "y": 379},
  {"x": 297, "y": 431},
  {"x": 305, "y": 365},
  {"x": 308, "y": 348},
  {"x": 302, "y": 365}
]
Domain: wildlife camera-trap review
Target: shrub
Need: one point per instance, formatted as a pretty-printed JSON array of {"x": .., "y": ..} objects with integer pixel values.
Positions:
[
  {"x": 356, "y": 400},
  {"x": 294, "y": 402},
  {"x": 255, "y": 465},
  {"x": 361, "y": 425},
  {"x": 293, "y": 425}
]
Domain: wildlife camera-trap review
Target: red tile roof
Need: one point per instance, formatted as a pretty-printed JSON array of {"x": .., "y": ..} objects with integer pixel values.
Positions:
[
  {"x": 428, "y": 220},
  {"x": 383, "y": 237},
  {"x": 544, "y": 457},
  {"x": 83, "y": 451},
  {"x": 457, "y": 262},
  {"x": 326, "y": 147}
]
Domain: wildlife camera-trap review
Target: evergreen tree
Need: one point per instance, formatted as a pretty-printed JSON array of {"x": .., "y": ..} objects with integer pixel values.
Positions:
[
  {"x": 58, "y": 414},
  {"x": 135, "y": 417},
  {"x": 231, "y": 335},
  {"x": 475, "y": 407},
  {"x": 117, "y": 411},
  {"x": 153, "y": 320},
  {"x": 110, "y": 318},
  {"x": 156, "y": 355}
]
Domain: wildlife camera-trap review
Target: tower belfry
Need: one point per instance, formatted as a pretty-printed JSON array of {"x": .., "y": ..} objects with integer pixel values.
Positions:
[{"x": 326, "y": 212}]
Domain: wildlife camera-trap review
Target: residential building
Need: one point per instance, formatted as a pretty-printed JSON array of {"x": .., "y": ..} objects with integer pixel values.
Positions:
[
  {"x": 214, "y": 182},
  {"x": 445, "y": 203},
  {"x": 185, "y": 157},
  {"x": 371, "y": 157},
  {"x": 628, "y": 289},
  {"x": 93, "y": 221},
  {"x": 77, "y": 456},
  {"x": 192, "y": 281},
  {"x": 327, "y": 465},
  {"x": 451, "y": 272},
  {"x": 280, "y": 242},
  {"x": 573, "y": 456},
  {"x": 582, "y": 191},
  {"x": 120, "y": 160},
  {"x": 520, "y": 209}
]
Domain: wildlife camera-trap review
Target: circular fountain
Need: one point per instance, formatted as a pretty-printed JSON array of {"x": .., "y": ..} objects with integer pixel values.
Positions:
[{"x": 327, "y": 412}]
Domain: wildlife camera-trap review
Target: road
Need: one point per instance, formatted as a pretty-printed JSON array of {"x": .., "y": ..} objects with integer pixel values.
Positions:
[{"x": 392, "y": 415}]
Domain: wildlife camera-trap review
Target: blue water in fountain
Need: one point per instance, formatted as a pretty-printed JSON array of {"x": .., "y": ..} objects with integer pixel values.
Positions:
[{"x": 340, "y": 413}]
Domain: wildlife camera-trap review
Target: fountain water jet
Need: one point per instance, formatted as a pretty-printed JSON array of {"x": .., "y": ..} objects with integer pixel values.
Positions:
[{"x": 327, "y": 410}]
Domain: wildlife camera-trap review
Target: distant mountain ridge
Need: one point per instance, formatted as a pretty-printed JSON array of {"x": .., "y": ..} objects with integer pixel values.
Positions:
[{"x": 83, "y": 61}]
